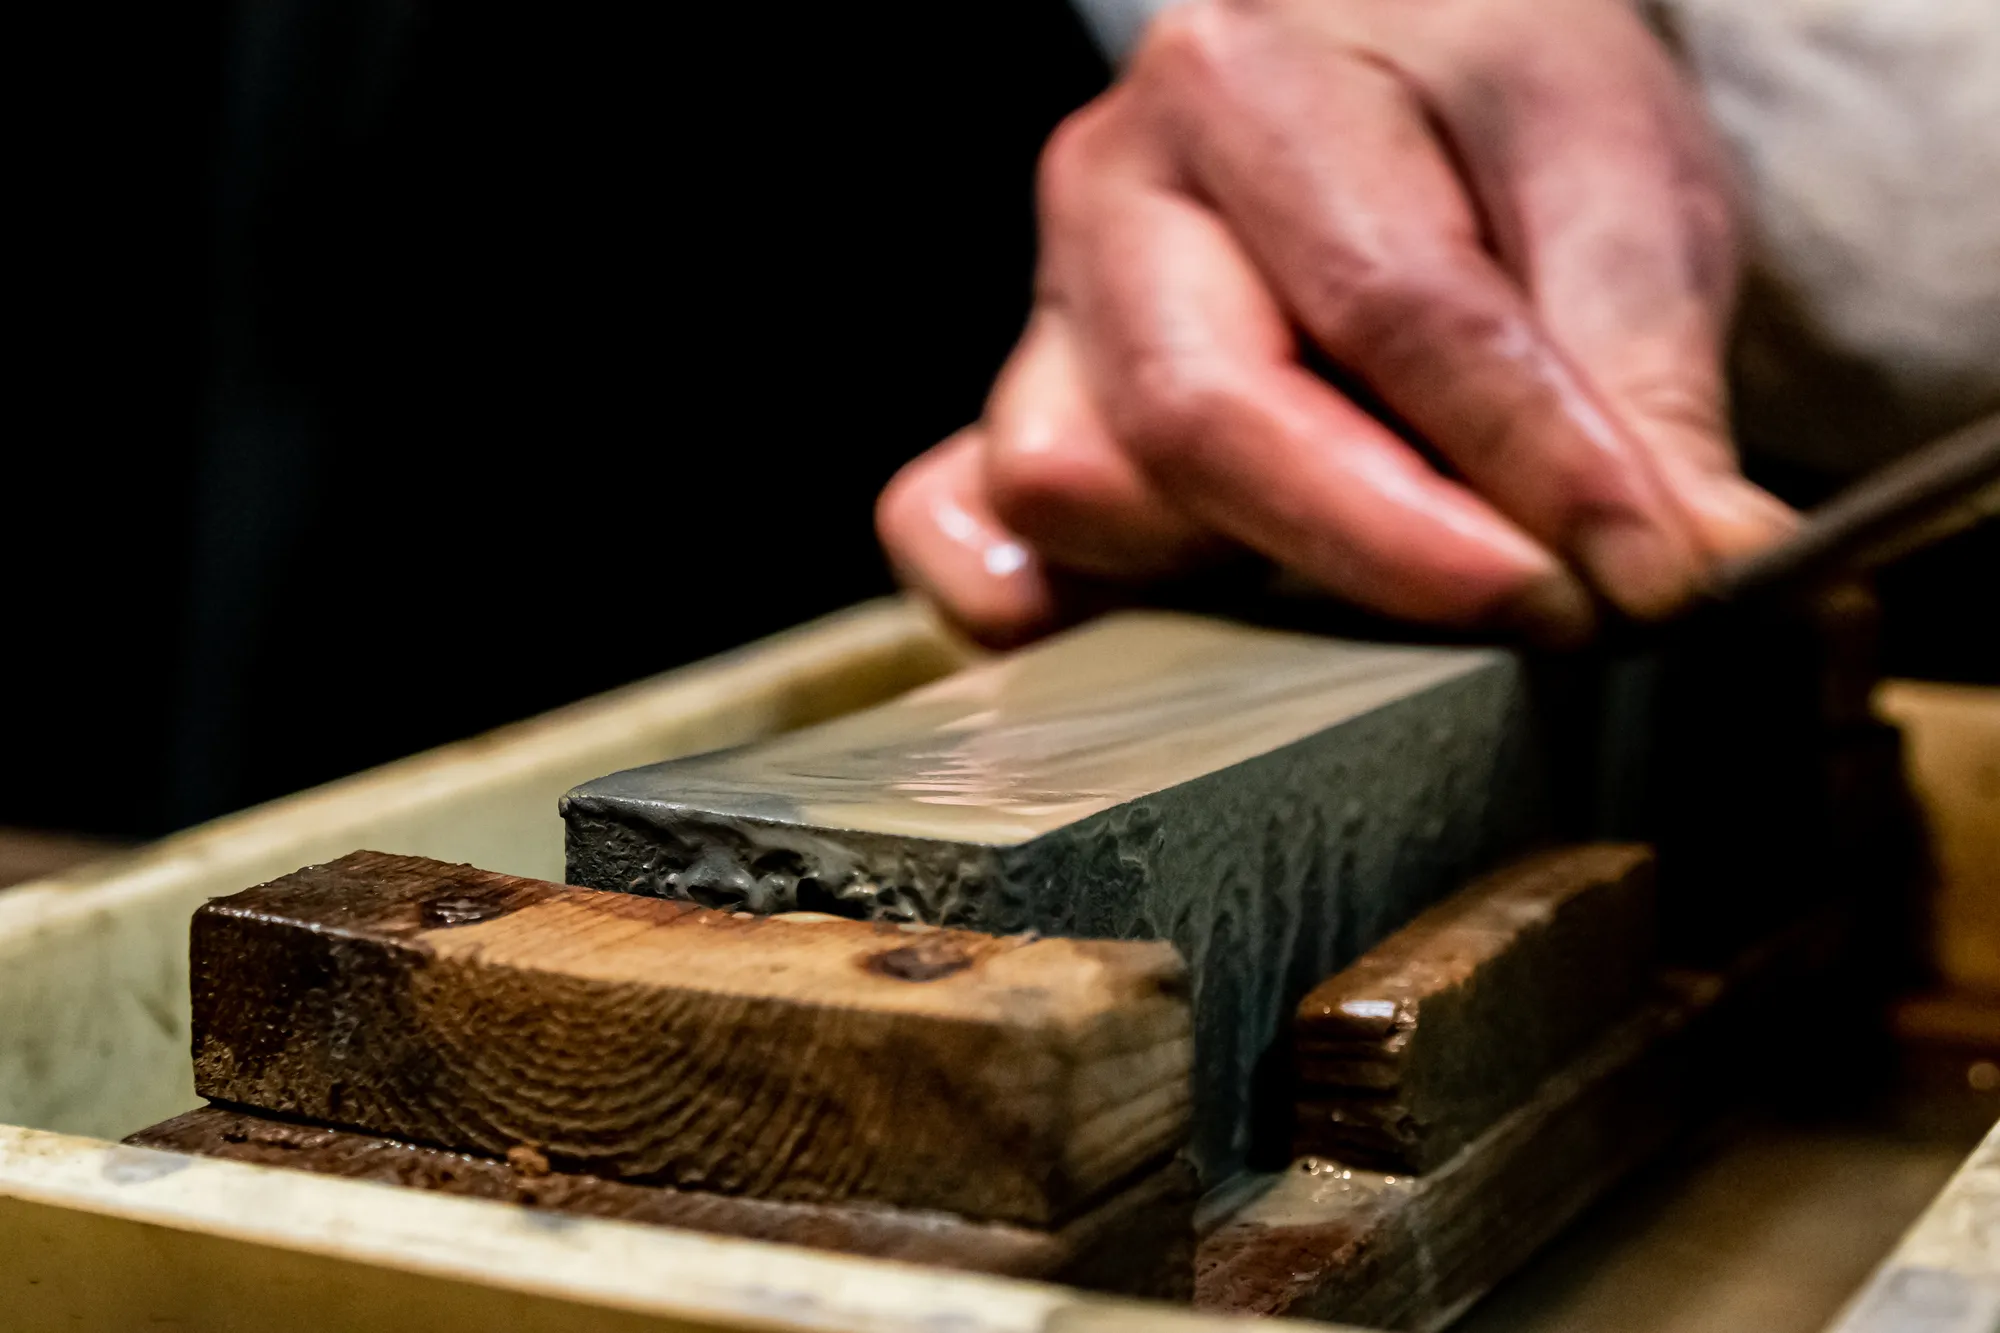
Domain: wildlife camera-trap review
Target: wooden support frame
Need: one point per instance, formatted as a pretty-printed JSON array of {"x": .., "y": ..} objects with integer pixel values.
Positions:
[
  {"x": 797, "y": 1058},
  {"x": 1139, "y": 1242},
  {"x": 93, "y": 1040},
  {"x": 1412, "y": 1051},
  {"x": 1329, "y": 1240},
  {"x": 230, "y": 1248}
]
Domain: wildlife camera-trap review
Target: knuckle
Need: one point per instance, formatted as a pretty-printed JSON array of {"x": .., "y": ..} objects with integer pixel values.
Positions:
[
  {"x": 1679, "y": 400},
  {"x": 1187, "y": 46},
  {"x": 1069, "y": 158},
  {"x": 1171, "y": 417},
  {"x": 1033, "y": 490},
  {"x": 1684, "y": 406},
  {"x": 1358, "y": 303},
  {"x": 1460, "y": 313},
  {"x": 1412, "y": 312}
]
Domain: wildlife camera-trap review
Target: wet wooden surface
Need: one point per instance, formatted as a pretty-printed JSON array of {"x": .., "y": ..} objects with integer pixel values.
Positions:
[
  {"x": 812, "y": 1060},
  {"x": 1418, "y": 1046},
  {"x": 1139, "y": 1242}
]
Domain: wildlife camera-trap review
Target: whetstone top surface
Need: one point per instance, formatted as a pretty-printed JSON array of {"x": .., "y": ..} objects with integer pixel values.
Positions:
[
  {"x": 1012, "y": 749},
  {"x": 815, "y": 1059},
  {"x": 1271, "y": 802}
]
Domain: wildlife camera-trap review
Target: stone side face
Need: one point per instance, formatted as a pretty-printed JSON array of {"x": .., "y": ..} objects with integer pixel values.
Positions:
[
  {"x": 1267, "y": 875},
  {"x": 1271, "y": 875},
  {"x": 752, "y": 863}
]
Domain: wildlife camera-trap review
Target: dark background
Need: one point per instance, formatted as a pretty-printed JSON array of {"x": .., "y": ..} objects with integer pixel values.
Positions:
[{"x": 394, "y": 370}]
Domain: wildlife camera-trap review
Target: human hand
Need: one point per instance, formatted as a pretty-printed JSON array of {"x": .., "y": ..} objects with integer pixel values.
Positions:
[{"x": 1504, "y": 224}]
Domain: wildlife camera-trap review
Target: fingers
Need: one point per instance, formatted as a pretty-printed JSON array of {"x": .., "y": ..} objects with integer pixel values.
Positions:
[
  {"x": 943, "y": 538},
  {"x": 1191, "y": 363},
  {"x": 1055, "y": 476},
  {"x": 992, "y": 524},
  {"x": 1619, "y": 222},
  {"x": 1519, "y": 250},
  {"x": 1355, "y": 214}
]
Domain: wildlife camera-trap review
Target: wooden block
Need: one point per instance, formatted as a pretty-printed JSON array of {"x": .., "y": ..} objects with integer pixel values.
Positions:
[
  {"x": 814, "y": 1060},
  {"x": 1389, "y": 1250},
  {"x": 1396, "y": 1251},
  {"x": 1410, "y": 1052},
  {"x": 1951, "y": 737},
  {"x": 1139, "y": 1242},
  {"x": 1273, "y": 803}
]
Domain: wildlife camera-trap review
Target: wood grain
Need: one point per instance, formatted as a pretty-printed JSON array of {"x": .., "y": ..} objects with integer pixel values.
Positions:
[
  {"x": 94, "y": 986},
  {"x": 103, "y": 1236},
  {"x": 1139, "y": 1242},
  {"x": 93, "y": 963},
  {"x": 804, "y": 1059},
  {"x": 1410, "y": 1052}
]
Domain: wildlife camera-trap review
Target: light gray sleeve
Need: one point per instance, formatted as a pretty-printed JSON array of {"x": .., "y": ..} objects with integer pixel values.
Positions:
[
  {"x": 1117, "y": 23},
  {"x": 1865, "y": 140}
]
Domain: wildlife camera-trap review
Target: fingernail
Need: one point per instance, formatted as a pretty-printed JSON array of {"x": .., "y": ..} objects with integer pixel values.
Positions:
[
  {"x": 1646, "y": 573},
  {"x": 1555, "y": 612},
  {"x": 1736, "y": 517},
  {"x": 1731, "y": 516}
]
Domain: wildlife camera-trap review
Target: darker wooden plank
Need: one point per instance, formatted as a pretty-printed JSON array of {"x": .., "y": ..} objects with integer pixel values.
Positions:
[
  {"x": 810, "y": 1059},
  {"x": 1139, "y": 1242},
  {"x": 1388, "y": 1250},
  {"x": 1409, "y": 1053}
]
